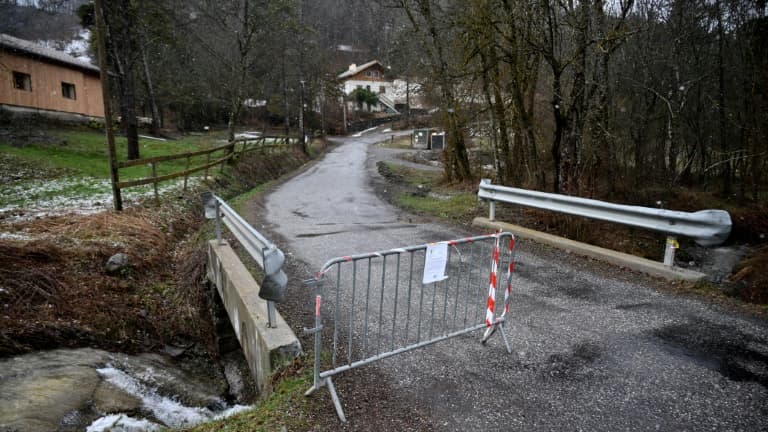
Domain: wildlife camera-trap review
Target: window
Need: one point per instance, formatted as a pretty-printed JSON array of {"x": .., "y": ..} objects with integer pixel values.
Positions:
[
  {"x": 372, "y": 73},
  {"x": 22, "y": 81},
  {"x": 368, "y": 88},
  {"x": 382, "y": 89},
  {"x": 68, "y": 90},
  {"x": 359, "y": 86}
]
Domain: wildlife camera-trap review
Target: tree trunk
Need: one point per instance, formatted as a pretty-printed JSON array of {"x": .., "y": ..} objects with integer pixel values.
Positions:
[
  {"x": 128, "y": 113},
  {"x": 724, "y": 147},
  {"x": 561, "y": 123},
  {"x": 155, "y": 126}
]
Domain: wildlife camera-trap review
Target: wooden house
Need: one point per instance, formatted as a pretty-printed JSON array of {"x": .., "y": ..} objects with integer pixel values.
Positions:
[{"x": 40, "y": 80}]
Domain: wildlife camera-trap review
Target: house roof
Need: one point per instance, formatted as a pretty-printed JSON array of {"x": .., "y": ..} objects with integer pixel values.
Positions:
[
  {"x": 352, "y": 71},
  {"x": 25, "y": 46}
]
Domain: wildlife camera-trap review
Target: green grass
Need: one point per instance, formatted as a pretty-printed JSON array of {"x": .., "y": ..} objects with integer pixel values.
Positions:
[
  {"x": 416, "y": 177},
  {"x": 444, "y": 201},
  {"x": 84, "y": 152},
  {"x": 286, "y": 407},
  {"x": 237, "y": 203},
  {"x": 459, "y": 207}
]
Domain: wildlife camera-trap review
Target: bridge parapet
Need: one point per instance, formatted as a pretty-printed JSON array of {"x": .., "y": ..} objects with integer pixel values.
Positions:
[{"x": 265, "y": 348}]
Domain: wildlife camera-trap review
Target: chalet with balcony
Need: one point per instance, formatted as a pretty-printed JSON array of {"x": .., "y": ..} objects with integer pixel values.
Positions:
[{"x": 373, "y": 77}]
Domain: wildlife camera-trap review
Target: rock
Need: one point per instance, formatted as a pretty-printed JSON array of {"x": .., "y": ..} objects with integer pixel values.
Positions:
[
  {"x": 109, "y": 399},
  {"x": 719, "y": 262},
  {"x": 38, "y": 394},
  {"x": 116, "y": 263},
  {"x": 67, "y": 390}
]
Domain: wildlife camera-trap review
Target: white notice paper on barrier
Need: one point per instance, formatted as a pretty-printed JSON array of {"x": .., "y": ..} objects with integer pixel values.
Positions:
[{"x": 436, "y": 260}]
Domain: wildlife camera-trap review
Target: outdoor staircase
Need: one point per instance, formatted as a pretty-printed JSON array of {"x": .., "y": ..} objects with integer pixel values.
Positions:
[{"x": 388, "y": 103}]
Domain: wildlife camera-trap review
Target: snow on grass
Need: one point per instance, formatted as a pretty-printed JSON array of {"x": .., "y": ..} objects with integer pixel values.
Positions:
[{"x": 82, "y": 195}]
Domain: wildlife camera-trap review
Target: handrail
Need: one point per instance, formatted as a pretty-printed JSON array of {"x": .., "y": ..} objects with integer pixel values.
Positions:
[
  {"x": 706, "y": 227},
  {"x": 266, "y": 254}
]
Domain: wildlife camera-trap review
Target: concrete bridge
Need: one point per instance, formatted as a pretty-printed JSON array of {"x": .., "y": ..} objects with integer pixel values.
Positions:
[{"x": 265, "y": 338}]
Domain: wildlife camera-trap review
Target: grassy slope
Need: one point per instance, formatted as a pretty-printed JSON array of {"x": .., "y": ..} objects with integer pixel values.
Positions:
[
  {"x": 443, "y": 201},
  {"x": 286, "y": 408},
  {"x": 84, "y": 152}
]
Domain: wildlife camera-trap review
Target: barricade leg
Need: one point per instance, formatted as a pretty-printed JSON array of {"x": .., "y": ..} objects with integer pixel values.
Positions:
[
  {"x": 335, "y": 398},
  {"x": 504, "y": 336},
  {"x": 318, "y": 382}
]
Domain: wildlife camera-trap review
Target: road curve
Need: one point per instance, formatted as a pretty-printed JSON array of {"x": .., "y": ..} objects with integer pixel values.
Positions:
[{"x": 594, "y": 347}]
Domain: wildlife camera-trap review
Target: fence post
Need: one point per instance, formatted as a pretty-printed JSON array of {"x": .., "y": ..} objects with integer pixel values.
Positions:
[
  {"x": 231, "y": 151},
  {"x": 154, "y": 178},
  {"x": 207, "y": 162},
  {"x": 186, "y": 176}
]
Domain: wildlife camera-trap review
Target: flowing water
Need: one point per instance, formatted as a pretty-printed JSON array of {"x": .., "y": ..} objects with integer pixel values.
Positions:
[{"x": 92, "y": 390}]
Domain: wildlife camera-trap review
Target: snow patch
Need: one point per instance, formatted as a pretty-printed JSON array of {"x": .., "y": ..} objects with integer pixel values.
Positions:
[
  {"x": 44, "y": 198},
  {"x": 359, "y": 134},
  {"x": 248, "y": 135},
  {"x": 13, "y": 236},
  {"x": 76, "y": 47}
]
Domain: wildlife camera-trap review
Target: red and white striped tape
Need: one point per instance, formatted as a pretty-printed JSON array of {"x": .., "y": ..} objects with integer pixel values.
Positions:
[
  {"x": 510, "y": 269},
  {"x": 493, "y": 285}
]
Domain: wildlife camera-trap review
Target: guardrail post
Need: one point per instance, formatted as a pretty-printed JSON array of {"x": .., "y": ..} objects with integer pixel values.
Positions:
[
  {"x": 271, "y": 314},
  {"x": 492, "y": 210},
  {"x": 669, "y": 251},
  {"x": 218, "y": 223}
]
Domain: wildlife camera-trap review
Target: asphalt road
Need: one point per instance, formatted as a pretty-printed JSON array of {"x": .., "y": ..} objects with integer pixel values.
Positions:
[{"x": 594, "y": 347}]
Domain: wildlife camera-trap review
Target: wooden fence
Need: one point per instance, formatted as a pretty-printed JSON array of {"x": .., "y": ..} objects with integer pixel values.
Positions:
[{"x": 214, "y": 156}]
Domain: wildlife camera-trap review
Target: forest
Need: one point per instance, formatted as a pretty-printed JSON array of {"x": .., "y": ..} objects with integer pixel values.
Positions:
[{"x": 592, "y": 98}]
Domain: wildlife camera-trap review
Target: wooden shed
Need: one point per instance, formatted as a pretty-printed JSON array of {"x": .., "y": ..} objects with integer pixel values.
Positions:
[{"x": 37, "y": 79}]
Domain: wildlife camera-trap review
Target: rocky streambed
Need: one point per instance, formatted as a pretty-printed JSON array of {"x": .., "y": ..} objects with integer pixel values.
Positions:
[{"x": 94, "y": 390}]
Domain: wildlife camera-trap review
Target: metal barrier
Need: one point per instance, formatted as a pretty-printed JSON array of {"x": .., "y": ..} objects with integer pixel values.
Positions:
[
  {"x": 390, "y": 302},
  {"x": 263, "y": 251},
  {"x": 706, "y": 227}
]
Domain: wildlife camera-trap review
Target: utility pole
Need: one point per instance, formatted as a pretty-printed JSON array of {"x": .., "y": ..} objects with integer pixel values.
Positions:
[
  {"x": 344, "y": 110},
  {"x": 301, "y": 81},
  {"x": 105, "y": 93}
]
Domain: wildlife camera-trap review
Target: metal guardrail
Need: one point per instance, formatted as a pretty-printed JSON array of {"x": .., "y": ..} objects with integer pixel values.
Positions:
[
  {"x": 268, "y": 256},
  {"x": 389, "y": 302},
  {"x": 706, "y": 227}
]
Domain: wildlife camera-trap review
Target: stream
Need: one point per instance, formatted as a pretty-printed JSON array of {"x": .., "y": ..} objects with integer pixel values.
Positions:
[{"x": 94, "y": 390}]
